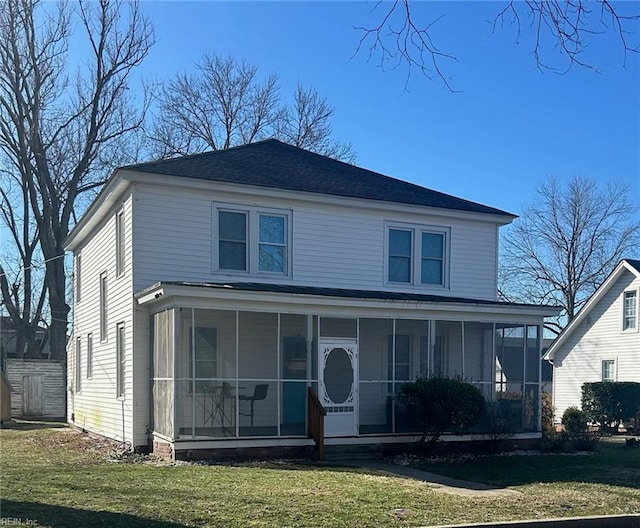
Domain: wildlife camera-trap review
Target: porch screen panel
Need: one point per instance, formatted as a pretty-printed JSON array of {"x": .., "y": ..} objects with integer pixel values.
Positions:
[
  {"x": 296, "y": 349},
  {"x": 509, "y": 375},
  {"x": 206, "y": 373},
  {"x": 375, "y": 387},
  {"x": 258, "y": 345},
  {"x": 163, "y": 385},
  {"x": 532, "y": 367},
  {"x": 478, "y": 352},
  {"x": 411, "y": 345},
  {"x": 447, "y": 349},
  {"x": 338, "y": 327}
]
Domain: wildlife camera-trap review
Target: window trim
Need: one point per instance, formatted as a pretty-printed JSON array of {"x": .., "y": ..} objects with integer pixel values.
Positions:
[
  {"x": 614, "y": 365},
  {"x": 120, "y": 244},
  {"x": 417, "y": 231},
  {"x": 120, "y": 360},
  {"x": 103, "y": 309},
  {"x": 78, "y": 277},
  {"x": 78, "y": 365},
  {"x": 636, "y": 318},
  {"x": 253, "y": 214},
  {"x": 90, "y": 355}
]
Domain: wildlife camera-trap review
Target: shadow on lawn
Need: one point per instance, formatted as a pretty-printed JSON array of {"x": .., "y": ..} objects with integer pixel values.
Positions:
[
  {"x": 34, "y": 425},
  {"x": 38, "y": 514}
]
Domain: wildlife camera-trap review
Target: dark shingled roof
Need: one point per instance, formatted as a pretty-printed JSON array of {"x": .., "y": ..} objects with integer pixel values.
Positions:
[
  {"x": 634, "y": 263},
  {"x": 334, "y": 292},
  {"x": 274, "y": 164}
]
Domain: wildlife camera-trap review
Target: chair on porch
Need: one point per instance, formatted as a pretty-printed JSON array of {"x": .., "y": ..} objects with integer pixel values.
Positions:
[{"x": 259, "y": 393}]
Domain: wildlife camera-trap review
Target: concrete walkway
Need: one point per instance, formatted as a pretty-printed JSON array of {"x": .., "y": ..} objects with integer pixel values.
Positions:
[{"x": 437, "y": 482}]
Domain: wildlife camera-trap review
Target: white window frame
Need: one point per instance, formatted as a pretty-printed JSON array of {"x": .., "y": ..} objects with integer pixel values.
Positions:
[
  {"x": 90, "y": 356},
  {"x": 253, "y": 214},
  {"x": 78, "y": 365},
  {"x": 120, "y": 360},
  {"x": 120, "y": 243},
  {"x": 416, "y": 254},
  {"x": 78, "y": 277},
  {"x": 103, "y": 287},
  {"x": 625, "y": 317},
  {"x": 613, "y": 364}
]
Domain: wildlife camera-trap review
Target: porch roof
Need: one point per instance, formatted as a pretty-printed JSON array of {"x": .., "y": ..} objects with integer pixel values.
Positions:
[{"x": 154, "y": 292}]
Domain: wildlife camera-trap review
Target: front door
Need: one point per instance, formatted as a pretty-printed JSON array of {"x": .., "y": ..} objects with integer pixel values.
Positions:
[{"x": 338, "y": 385}]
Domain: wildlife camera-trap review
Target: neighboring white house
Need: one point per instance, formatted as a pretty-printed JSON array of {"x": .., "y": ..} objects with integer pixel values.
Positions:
[
  {"x": 602, "y": 343},
  {"x": 212, "y": 291}
]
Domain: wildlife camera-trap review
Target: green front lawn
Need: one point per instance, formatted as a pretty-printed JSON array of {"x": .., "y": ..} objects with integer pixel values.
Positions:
[{"x": 58, "y": 477}]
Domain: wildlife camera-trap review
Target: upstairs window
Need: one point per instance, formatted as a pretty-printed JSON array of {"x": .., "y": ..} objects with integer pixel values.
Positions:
[
  {"x": 272, "y": 249},
  {"x": 119, "y": 243},
  {"x": 400, "y": 255},
  {"x": 250, "y": 240},
  {"x": 232, "y": 240},
  {"x": 417, "y": 255},
  {"x": 78, "y": 277},
  {"x": 608, "y": 370},
  {"x": 432, "y": 264},
  {"x": 630, "y": 310},
  {"x": 103, "y": 306}
]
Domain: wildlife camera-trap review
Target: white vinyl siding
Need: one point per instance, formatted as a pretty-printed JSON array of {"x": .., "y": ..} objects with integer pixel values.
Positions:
[
  {"x": 96, "y": 408},
  {"x": 598, "y": 338},
  {"x": 330, "y": 244}
]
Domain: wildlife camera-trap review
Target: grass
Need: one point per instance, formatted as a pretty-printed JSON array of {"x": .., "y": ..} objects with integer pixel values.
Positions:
[{"x": 59, "y": 477}]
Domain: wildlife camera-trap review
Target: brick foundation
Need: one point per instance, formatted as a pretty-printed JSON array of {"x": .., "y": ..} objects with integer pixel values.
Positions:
[{"x": 162, "y": 449}]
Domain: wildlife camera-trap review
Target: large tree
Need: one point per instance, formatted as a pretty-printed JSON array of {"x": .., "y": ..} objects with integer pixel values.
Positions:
[
  {"x": 566, "y": 242},
  {"x": 62, "y": 129},
  {"x": 224, "y": 102},
  {"x": 558, "y": 33}
]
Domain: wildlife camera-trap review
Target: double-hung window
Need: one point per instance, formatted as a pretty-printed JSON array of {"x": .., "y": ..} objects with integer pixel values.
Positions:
[
  {"x": 630, "y": 310},
  {"x": 417, "y": 255},
  {"x": 120, "y": 348},
  {"x": 119, "y": 243},
  {"x": 232, "y": 240},
  {"x": 103, "y": 306},
  {"x": 608, "y": 370},
  {"x": 252, "y": 240}
]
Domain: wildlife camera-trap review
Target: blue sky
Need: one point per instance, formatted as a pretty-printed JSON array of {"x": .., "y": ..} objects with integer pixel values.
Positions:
[{"x": 508, "y": 128}]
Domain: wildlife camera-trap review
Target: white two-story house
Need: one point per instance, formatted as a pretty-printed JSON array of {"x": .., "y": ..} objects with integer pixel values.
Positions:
[
  {"x": 216, "y": 294},
  {"x": 602, "y": 343}
]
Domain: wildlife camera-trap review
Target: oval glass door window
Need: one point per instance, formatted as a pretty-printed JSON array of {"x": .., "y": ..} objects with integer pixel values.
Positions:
[{"x": 338, "y": 375}]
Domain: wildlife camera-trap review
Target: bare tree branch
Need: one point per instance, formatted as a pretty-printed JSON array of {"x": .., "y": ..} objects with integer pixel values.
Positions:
[{"x": 567, "y": 241}]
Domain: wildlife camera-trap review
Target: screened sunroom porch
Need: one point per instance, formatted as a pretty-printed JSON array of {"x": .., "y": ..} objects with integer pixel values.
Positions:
[{"x": 233, "y": 374}]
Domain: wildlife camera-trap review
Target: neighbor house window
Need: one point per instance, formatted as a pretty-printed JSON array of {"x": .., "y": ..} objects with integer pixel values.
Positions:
[
  {"x": 119, "y": 243},
  {"x": 103, "y": 306},
  {"x": 120, "y": 360},
  {"x": 78, "y": 277},
  {"x": 417, "y": 255},
  {"x": 630, "y": 310},
  {"x": 90, "y": 356},
  {"x": 252, "y": 240},
  {"x": 78, "y": 364},
  {"x": 608, "y": 370}
]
